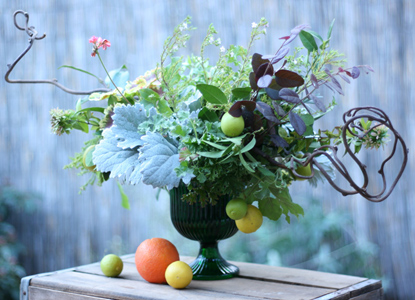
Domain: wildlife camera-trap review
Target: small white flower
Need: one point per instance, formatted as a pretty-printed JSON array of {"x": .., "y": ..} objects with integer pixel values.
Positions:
[
  {"x": 254, "y": 25},
  {"x": 218, "y": 41},
  {"x": 211, "y": 40},
  {"x": 175, "y": 48},
  {"x": 231, "y": 54},
  {"x": 222, "y": 49}
]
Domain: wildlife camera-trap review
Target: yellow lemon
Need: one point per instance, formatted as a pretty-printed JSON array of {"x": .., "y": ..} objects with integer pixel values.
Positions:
[
  {"x": 252, "y": 220},
  {"x": 111, "y": 265},
  {"x": 179, "y": 274}
]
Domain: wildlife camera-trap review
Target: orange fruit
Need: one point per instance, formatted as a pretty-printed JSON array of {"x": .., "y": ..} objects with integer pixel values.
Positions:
[{"x": 152, "y": 258}]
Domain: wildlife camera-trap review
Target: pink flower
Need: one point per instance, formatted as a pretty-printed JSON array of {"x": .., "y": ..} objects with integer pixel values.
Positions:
[
  {"x": 105, "y": 44},
  {"x": 98, "y": 42},
  {"x": 93, "y": 39}
]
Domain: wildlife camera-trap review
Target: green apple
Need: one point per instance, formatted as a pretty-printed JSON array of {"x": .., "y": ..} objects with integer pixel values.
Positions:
[
  {"x": 87, "y": 158},
  {"x": 304, "y": 171},
  {"x": 232, "y": 126}
]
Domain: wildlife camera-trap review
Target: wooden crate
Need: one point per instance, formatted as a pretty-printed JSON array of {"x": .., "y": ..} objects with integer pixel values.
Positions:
[{"x": 255, "y": 282}]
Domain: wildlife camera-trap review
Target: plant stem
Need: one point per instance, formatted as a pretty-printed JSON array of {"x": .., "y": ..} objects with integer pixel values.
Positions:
[{"x": 102, "y": 63}]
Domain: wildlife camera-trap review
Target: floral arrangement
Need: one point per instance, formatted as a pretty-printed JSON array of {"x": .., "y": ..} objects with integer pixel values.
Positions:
[{"x": 228, "y": 128}]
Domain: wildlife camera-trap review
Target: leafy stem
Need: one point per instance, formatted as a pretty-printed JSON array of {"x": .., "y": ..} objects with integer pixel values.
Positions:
[{"x": 106, "y": 71}]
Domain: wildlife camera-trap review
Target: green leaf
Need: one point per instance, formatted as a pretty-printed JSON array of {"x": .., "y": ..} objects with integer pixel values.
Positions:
[
  {"x": 212, "y": 94},
  {"x": 124, "y": 198},
  {"x": 242, "y": 93},
  {"x": 97, "y": 109},
  {"x": 308, "y": 41},
  {"x": 81, "y": 101},
  {"x": 249, "y": 146},
  {"x": 245, "y": 164},
  {"x": 220, "y": 147},
  {"x": 208, "y": 115},
  {"x": 315, "y": 34},
  {"x": 270, "y": 208},
  {"x": 81, "y": 126},
  {"x": 152, "y": 97},
  {"x": 83, "y": 71},
  {"x": 120, "y": 77},
  {"x": 330, "y": 30}
]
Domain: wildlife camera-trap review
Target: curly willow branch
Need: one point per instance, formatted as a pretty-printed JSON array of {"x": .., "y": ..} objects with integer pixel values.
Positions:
[
  {"x": 33, "y": 36},
  {"x": 349, "y": 119}
]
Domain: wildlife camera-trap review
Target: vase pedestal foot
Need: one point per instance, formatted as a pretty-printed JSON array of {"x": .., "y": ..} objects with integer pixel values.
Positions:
[{"x": 209, "y": 264}]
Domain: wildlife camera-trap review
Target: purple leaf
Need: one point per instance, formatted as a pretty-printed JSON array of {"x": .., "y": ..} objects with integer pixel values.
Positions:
[
  {"x": 236, "y": 108},
  {"x": 273, "y": 94},
  {"x": 320, "y": 105},
  {"x": 257, "y": 61},
  {"x": 278, "y": 109},
  {"x": 264, "y": 81},
  {"x": 286, "y": 78},
  {"x": 355, "y": 72},
  {"x": 289, "y": 95},
  {"x": 252, "y": 81},
  {"x": 266, "y": 111},
  {"x": 366, "y": 68},
  {"x": 265, "y": 68},
  {"x": 344, "y": 78},
  {"x": 297, "y": 123},
  {"x": 334, "y": 83},
  {"x": 278, "y": 56},
  {"x": 314, "y": 81},
  {"x": 279, "y": 141},
  {"x": 295, "y": 32}
]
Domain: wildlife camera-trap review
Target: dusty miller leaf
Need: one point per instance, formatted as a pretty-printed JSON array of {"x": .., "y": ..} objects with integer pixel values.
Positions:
[
  {"x": 126, "y": 120},
  {"x": 159, "y": 157}
]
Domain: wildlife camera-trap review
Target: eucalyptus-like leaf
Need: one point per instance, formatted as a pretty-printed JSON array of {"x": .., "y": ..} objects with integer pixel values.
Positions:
[
  {"x": 212, "y": 94},
  {"x": 297, "y": 123},
  {"x": 289, "y": 95},
  {"x": 286, "y": 78},
  {"x": 266, "y": 111}
]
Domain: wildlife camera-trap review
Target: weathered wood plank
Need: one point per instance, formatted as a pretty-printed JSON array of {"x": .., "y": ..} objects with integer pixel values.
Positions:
[
  {"x": 355, "y": 290},
  {"x": 373, "y": 295},
  {"x": 122, "y": 288},
  {"x": 36, "y": 293},
  {"x": 254, "y": 287}
]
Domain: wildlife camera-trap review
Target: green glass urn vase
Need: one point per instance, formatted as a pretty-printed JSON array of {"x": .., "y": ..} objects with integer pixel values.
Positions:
[{"x": 208, "y": 225}]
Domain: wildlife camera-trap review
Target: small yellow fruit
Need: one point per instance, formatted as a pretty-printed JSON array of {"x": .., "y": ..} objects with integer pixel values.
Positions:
[
  {"x": 111, "y": 265},
  {"x": 252, "y": 220},
  {"x": 179, "y": 274},
  {"x": 236, "y": 209},
  {"x": 232, "y": 126}
]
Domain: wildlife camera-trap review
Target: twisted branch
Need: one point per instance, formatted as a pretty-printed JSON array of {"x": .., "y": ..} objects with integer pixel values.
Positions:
[{"x": 33, "y": 36}]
